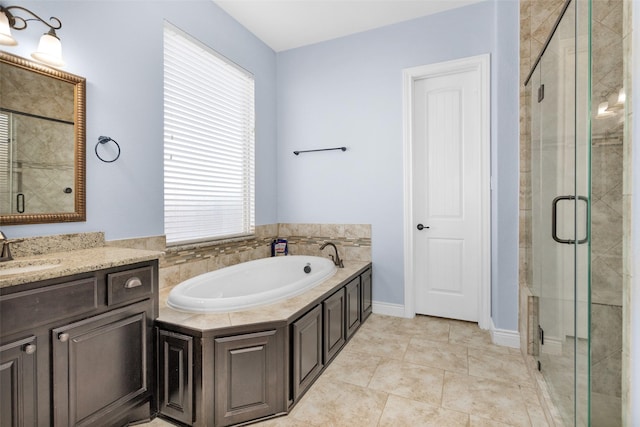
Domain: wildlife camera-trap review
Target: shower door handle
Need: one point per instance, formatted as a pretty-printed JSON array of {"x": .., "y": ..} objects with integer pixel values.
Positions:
[
  {"x": 554, "y": 220},
  {"x": 20, "y": 202}
]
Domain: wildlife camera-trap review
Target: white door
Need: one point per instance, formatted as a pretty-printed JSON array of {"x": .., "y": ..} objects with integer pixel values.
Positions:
[{"x": 447, "y": 194}]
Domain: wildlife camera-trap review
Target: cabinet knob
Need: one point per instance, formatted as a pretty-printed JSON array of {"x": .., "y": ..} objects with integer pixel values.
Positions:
[
  {"x": 64, "y": 337},
  {"x": 133, "y": 282},
  {"x": 29, "y": 348}
]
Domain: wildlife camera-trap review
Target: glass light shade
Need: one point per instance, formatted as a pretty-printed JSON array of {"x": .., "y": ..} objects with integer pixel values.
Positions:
[
  {"x": 5, "y": 31},
  {"x": 603, "y": 111},
  {"x": 49, "y": 51}
]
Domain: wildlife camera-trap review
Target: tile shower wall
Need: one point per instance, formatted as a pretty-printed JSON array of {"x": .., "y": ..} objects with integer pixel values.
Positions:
[
  {"x": 627, "y": 361},
  {"x": 43, "y": 174},
  {"x": 607, "y": 159},
  {"x": 352, "y": 240},
  {"x": 536, "y": 23}
]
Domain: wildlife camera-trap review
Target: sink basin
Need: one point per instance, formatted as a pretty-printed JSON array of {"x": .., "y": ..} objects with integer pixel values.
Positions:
[{"x": 9, "y": 268}]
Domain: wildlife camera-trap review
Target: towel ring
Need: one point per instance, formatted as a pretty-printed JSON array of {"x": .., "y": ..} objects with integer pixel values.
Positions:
[{"x": 104, "y": 140}]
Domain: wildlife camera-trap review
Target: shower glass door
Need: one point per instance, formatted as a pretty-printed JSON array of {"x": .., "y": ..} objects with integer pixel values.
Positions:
[{"x": 558, "y": 113}]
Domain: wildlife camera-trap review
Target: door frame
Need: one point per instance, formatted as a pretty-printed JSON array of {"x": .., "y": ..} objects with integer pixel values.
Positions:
[{"x": 480, "y": 64}]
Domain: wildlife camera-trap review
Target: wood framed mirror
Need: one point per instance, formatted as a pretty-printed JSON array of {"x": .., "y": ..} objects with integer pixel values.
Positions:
[{"x": 42, "y": 143}]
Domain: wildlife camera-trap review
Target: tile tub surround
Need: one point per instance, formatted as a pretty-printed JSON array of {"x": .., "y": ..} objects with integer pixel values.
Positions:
[
  {"x": 352, "y": 240},
  {"x": 184, "y": 262},
  {"x": 370, "y": 385}
]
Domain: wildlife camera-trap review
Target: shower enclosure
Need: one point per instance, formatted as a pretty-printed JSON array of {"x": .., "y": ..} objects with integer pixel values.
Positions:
[{"x": 575, "y": 209}]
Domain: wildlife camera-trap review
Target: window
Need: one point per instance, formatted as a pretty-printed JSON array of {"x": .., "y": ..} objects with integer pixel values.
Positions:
[
  {"x": 209, "y": 185},
  {"x": 5, "y": 162}
]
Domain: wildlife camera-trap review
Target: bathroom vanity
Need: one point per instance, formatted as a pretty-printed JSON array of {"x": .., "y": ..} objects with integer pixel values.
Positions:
[
  {"x": 76, "y": 342},
  {"x": 228, "y": 368}
]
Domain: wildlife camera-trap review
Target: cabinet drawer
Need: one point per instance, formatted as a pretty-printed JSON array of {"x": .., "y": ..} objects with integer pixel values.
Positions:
[
  {"x": 29, "y": 309},
  {"x": 130, "y": 285}
]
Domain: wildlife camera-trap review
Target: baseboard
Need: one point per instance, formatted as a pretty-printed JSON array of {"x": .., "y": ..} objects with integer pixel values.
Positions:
[
  {"x": 396, "y": 310},
  {"x": 505, "y": 337}
]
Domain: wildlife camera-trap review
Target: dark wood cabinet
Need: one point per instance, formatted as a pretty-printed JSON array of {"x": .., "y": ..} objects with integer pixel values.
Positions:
[
  {"x": 93, "y": 363},
  {"x": 249, "y": 376},
  {"x": 353, "y": 304},
  {"x": 99, "y": 366},
  {"x": 175, "y": 375},
  {"x": 307, "y": 350},
  {"x": 334, "y": 324},
  {"x": 18, "y": 397},
  {"x": 366, "y": 289}
]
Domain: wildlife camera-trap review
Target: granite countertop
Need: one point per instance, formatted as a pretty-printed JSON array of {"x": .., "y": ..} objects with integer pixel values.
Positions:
[
  {"x": 278, "y": 311},
  {"x": 58, "y": 264}
]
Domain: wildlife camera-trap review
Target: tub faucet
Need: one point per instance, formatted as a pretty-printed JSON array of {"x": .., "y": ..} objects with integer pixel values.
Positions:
[
  {"x": 5, "y": 255},
  {"x": 337, "y": 261}
]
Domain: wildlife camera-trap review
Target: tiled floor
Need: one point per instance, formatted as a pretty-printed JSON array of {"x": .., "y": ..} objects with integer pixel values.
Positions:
[{"x": 418, "y": 372}]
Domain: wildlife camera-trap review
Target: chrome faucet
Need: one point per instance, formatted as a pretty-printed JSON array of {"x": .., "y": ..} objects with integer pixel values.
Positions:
[
  {"x": 5, "y": 255},
  {"x": 337, "y": 261}
]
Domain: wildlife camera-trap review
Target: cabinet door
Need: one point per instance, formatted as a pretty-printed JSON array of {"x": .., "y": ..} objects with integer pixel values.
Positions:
[
  {"x": 367, "y": 304},
  {"x": 353, "y": 306},
  {"x": 99, "y": 367},
  {"x": 18, "y": 383},
  {"x": 175, "y": 370},
  {"x": 249, "y": 373},
  {"x": 307, "y": 350},
  {"x": 334, "y": 325}
]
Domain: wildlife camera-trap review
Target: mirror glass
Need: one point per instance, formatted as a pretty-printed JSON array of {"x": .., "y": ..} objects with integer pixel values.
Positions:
[{"x": 42, "y": 143}]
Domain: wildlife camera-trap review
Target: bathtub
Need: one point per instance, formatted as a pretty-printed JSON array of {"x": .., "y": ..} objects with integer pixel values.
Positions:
[{"x": 250, "y": 284}]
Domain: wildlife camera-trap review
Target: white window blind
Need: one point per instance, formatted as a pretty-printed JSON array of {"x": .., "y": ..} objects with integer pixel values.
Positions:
[{"x": 209, "y": 185}]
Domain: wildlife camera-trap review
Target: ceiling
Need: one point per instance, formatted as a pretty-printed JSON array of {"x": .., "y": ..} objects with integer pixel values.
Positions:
[{"x": 287, "y": 24}]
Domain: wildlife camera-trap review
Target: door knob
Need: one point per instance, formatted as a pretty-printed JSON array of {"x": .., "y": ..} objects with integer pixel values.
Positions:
[
  {"x": 64, "y": 337},
  {"x": 421, "y": 227}
]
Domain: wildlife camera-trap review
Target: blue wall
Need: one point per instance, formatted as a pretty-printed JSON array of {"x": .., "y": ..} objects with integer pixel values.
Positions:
[
  {"x": 506, "y": 161},
  {"x": 117, "y": 46},
  {"x": 342, "y": 92},
  {"x": 348, "y": 92}
]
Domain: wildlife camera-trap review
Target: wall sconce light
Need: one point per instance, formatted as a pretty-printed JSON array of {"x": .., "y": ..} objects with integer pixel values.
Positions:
[{"x": 49, "y": 49}]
